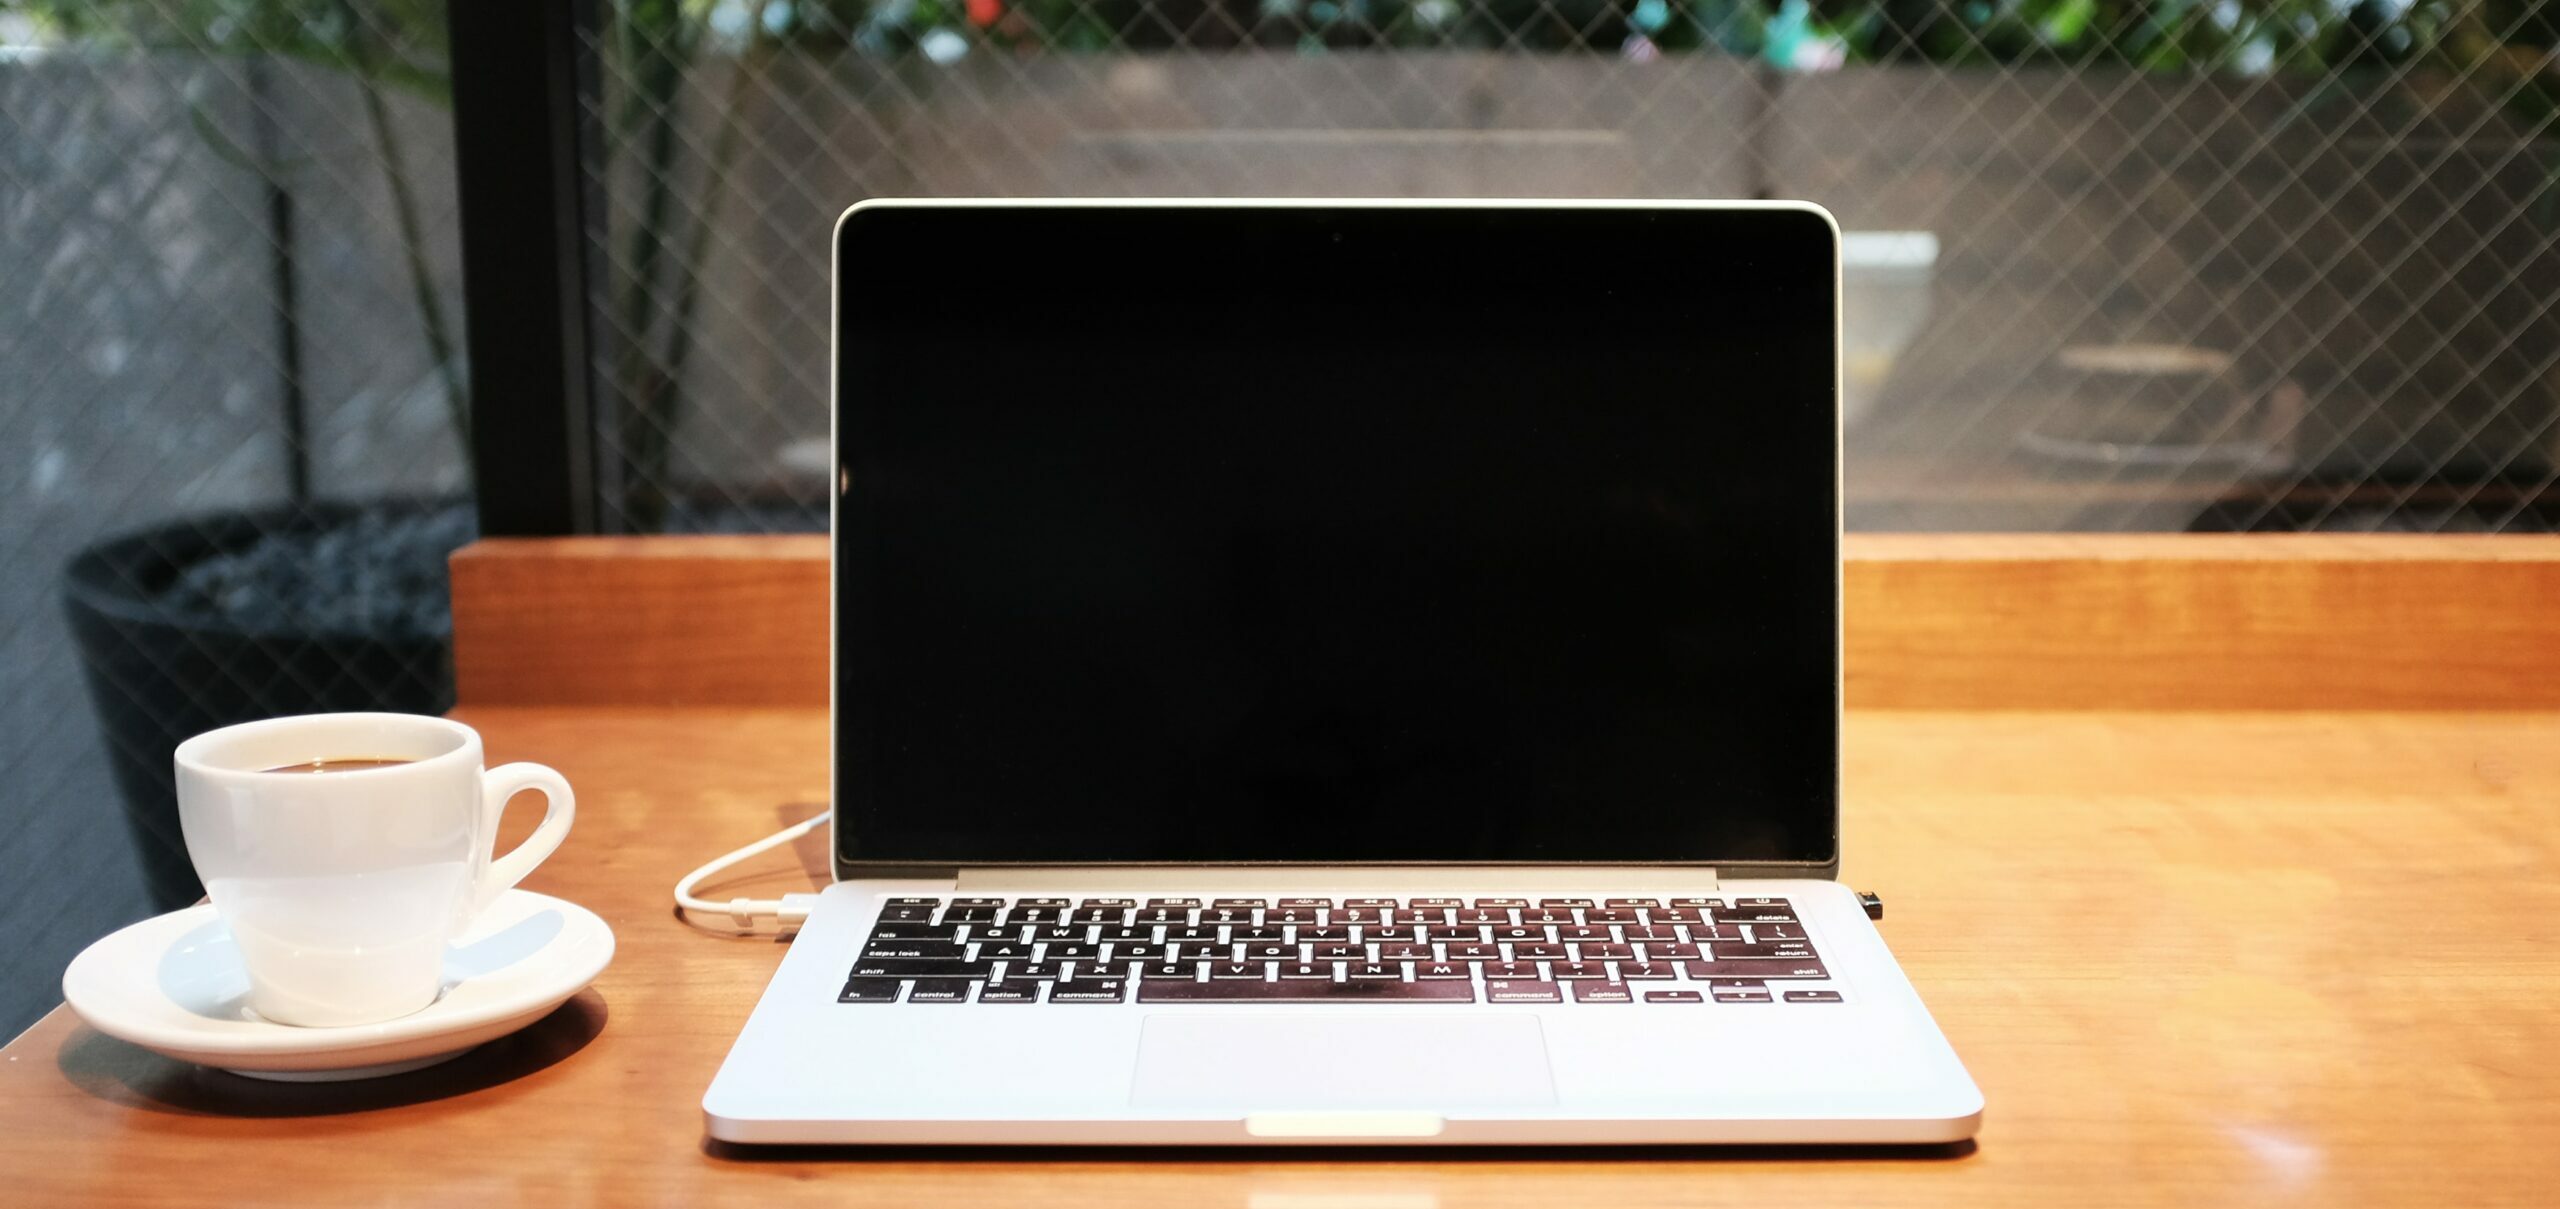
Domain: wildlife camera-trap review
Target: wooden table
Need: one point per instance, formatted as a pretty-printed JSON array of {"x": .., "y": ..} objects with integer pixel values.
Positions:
[{"x": 2243, "y": 959}]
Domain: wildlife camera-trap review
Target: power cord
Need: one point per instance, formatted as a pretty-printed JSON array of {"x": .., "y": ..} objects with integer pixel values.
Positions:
[{"x": 786, "y": 912}]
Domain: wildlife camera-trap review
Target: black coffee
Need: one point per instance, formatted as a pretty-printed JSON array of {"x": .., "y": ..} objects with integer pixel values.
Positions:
[{"x": 350, "y": 764}]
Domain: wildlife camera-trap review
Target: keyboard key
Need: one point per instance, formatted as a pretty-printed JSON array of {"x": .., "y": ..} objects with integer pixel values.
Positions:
[
  {"x": 1139, "y": 952},
  {"x": 1513, "y": 970},
  {"x": 1317, "y": 936},
  {"x": 915, "y": 902},
  {"x": 899, "y": 967},
  {"x": 1677, "y": 915},
  {"x": 1193, "y": 936},
  {"x": 1238, "y": 971},
  {"x": 1646, "y": 904},
  {"x": 1373, "y": 969},
  {"x": 1100, "y": 990},
  {"x": 1290, "y": 915},
  {"x": 1356, "y": 991},
  {"x": 1511, "y": 990},
  {"x": 1656, "y": 935},
  {"x": 938, "y": 950},
  {"x": 977, "y": 902},
  {"x": 1741, "y": 996},
  {"x": 1610, "y": 915},
  {"x": 1524, "y": 934},
  {"x": 1071, "y": 952},
  {"x": 940, "y": 990},
  {"x": 1541, "y": 952},
  {"x": 1601, "y": 992},
  {"x": 1712, "y": 933},
  {"x": 1601, "y": 952},
  {"x": 1174, "y": 971},
  {"x": 1580, "y": 933},
  {"x": 1408, "y": 952},
  {"x": 1769, "y": 932},
  {"x": 1458, "y": 935},
  {"x": 906, "y": 914},
  {"x": 1009, "y": 992},
  {"x": 1118, "y": 903},
  {"x": 1097, "y": 915},
  {"x": 1358, "y": 915},
  {"x": 1033, "y": 971},
  {"x": 913, "y": 931},
  {"x": 1061, "y": 934},
  {"x": 1306, "y": 903},
  {"x": 1004, "y": 952},
  {"x": 1729, "y": 951},
  {"x": 1269, "y": 952},
  {"x": 1478, "y": 915},
  {"x": 1644, "y": 971},
  {"x": 1780, "y": 914},
  {"x": 1246, "y": 936},
  {"x": 1655, "y": 952},
  {"x": 869, "y": 990},
  {"x": 1576, "y": 969},
  {"x": 1241, "y": 904},
  {"x": 1698, "y": 903},
  {"x": 970, "y": 915},
  {"x": 1173, "y": 904},
  {"x": 1543, "y": 918},
  {"x": 1443, "y": 969},
  {"x": 1434, "y": 904},
  {"x": 1371, "y": 903},
  {"x": 1553, "y": 904},
  {"x": 1347, "y": 952},
  {"x": 1674, "y": 997},
  {"x": 1160, "y": 915},
  {"x": 1308, "y": 969},
  {"x": 1501, "y": 904},
  {"x": 1813, "y": 996},
  {"x": 1762, "y": 968}
]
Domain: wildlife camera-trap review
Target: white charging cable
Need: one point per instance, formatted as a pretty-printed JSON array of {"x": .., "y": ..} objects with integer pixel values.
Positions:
[{"x": 786, "y": 911}]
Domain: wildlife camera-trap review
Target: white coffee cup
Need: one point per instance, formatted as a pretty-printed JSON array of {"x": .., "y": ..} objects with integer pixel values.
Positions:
[{"x": 342, "y": 889}]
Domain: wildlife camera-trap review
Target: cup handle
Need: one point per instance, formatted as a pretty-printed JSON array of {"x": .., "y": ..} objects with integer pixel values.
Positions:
[{"x": 560, "y": 807}]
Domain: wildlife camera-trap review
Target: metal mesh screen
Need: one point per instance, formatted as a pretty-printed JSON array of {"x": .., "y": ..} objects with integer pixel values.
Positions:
[
  {"x": 2239, "y": 264},
  {"x": 229, "y": 471}
]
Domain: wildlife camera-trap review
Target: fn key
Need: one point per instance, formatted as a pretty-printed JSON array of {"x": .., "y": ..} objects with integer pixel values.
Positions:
[{"x": 869, "y": 990}]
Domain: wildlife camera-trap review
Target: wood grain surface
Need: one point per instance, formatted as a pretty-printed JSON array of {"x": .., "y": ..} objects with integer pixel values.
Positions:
[
  {"x": 2192, "y": 959},
  {"x": 2139, "y": 621}
]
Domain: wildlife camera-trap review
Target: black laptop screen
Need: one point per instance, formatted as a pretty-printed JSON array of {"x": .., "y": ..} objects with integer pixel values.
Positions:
[{"x": 1336, "y": 535}]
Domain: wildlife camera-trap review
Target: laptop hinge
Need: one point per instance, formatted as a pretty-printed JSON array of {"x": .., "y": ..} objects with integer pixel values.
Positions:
[{"x": 1659, "y": 878}]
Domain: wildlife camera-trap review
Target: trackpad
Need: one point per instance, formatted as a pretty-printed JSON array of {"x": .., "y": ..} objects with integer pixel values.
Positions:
[{"x": 1335, "y": 1060}]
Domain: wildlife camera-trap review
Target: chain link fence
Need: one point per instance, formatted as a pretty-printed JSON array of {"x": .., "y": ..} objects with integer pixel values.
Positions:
[
  {"x": 2238, "y": 264},
  {"x": 2182, "y": 264},
  {"x": 229, "y": 410}
]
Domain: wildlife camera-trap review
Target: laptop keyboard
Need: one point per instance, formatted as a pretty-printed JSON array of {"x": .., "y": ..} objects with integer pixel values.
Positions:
[{"x": 1317, "y": 950}]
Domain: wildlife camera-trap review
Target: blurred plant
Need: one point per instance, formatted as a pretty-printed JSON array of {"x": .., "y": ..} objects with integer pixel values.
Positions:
[{"x": 380, "y": 44}]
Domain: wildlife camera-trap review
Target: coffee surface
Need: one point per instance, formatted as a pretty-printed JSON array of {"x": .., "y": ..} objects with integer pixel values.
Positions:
[{"x": 348, "y": 764}]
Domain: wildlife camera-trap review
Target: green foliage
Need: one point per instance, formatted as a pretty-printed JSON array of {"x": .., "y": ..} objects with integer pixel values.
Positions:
[{"x": 401, "y": 43}]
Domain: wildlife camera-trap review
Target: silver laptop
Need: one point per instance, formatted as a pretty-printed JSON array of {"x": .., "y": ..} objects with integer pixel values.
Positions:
[{"x": 1338, "y": 672}]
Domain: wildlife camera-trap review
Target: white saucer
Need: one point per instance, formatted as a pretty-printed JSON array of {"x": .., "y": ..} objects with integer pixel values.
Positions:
[{"x": 174, "y": 985}]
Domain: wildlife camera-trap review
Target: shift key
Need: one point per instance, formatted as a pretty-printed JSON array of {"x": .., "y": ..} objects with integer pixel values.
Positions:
[{"x": 908, "y": 967}]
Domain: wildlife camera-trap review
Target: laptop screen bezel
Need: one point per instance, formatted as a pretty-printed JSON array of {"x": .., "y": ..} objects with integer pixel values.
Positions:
[{"x": 1746, "y": 220}]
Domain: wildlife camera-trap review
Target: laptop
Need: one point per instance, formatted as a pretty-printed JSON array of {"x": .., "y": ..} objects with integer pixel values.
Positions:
[{"x": 1343, "y": 673}]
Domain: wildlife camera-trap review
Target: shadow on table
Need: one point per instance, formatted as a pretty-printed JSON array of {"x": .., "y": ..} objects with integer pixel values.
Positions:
[{"x": 129, "y": 1075}]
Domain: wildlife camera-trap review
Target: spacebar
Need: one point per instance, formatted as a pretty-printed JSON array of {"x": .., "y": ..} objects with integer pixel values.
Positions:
[{"x": 1366, "y": 990}]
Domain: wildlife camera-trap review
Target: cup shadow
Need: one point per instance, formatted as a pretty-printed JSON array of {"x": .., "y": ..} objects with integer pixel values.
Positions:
[{"x": 128, "y": 1075}]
